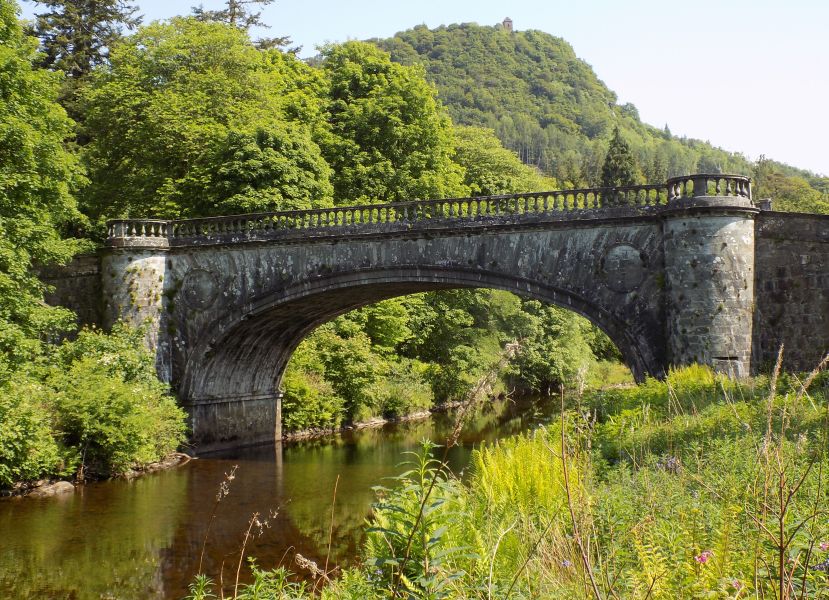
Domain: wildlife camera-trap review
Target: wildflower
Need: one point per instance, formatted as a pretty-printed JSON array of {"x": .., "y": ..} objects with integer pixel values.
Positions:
[
  {"x": 737, "y": 584},
  {"x": 703, "y": 556},
  {"x": 824, "y": 546},
  {"x": 566, "y": 564}
]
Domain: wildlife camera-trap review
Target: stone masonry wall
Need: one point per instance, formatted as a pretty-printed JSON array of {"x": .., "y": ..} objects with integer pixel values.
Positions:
[
  {"x": 709, "y": 277},
  {"x": 792, "y": 283},
  {"x": 77, "y": 286}
]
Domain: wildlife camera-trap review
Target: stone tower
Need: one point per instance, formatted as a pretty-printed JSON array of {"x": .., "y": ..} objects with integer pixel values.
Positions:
[
  {"x": 708, "y": 239},
  {"x": 507, "y": 24}
]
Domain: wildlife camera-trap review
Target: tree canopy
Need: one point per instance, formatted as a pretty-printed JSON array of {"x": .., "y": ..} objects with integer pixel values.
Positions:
[
  {"x": 619, "y": 167},
  {"x": 391, "y": 139},
  {"x": 191, "y": 119},
  {"x": 490, "y": 169},
  {"x": 37, "y": 179},
  {"x": 76, "y": 35}
]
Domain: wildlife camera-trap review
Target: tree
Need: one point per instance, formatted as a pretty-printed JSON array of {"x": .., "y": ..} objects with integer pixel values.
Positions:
[
  {"x": 190, "y": 119},
  {"x": 37, "y": 178},
  {"x": 490, "y": 169},
  {"x": 391, "y": 138},
  {"x": 238, "y": 14},
  {"x": 76, "y": 35},
  {"x": 619, "y": 167}
]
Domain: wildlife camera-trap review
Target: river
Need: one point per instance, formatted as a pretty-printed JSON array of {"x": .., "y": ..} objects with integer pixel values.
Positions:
[{"x": 143, "y": 538}]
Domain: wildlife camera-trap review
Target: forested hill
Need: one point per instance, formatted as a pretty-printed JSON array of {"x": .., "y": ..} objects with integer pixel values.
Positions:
[{"x": 551, "y": 108}]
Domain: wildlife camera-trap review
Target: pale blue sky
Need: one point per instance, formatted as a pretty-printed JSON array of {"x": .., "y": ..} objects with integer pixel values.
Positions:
[{"x": 748, "y": 75}]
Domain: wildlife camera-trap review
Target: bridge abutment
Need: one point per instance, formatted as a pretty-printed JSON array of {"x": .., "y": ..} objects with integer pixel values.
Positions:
[
  {"x": 709, "y": 278},
  {"x": 133, "y": 282}
]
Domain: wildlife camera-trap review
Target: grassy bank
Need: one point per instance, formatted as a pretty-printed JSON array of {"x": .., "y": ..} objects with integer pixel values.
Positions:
[{"x": 695, "y": 487}]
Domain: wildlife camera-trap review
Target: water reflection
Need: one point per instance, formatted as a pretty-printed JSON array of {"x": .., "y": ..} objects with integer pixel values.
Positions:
[{"x": 142, "y": 539}]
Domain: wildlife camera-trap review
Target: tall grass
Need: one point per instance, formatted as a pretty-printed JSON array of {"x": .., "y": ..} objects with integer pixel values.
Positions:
[{"x": 693, "y": 487}]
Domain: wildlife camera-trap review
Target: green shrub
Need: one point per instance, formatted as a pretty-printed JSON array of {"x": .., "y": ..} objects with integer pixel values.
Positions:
[
  {"x": 309, "y": 401},
  {"x": 403, "y": 390},
  {"x": 93, "y": 402},
  {"x": 28, "y": 448},
  {"x": 111, "y": 423}
]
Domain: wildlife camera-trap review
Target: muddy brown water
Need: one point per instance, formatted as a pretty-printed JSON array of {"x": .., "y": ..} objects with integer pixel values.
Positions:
[{"x": 143, "y": 538}]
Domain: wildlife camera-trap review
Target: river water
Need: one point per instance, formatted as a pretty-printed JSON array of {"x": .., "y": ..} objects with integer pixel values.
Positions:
[{"x": 143, "y": 538}]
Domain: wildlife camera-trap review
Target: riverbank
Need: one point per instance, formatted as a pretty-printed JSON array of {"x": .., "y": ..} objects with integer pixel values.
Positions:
[
  {"x": 697, "y": 486},
  {"x": 46, "y": 488},
  {"x": 373, "y": 423}
]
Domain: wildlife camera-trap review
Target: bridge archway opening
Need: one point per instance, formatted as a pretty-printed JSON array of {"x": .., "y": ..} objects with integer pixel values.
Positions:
[{"x": 246, "y": 354}]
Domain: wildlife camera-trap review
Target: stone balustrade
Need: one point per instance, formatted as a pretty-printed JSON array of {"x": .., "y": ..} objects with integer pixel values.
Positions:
[
  {"x": 694, "y": 186},
  {"x": 560, "y": 204}
]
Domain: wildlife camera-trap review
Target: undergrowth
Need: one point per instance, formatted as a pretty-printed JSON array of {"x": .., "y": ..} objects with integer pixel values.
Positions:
[{"x": 692, "y": 487}]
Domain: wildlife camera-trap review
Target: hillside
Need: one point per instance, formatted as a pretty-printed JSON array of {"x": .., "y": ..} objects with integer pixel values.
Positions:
[{"x": 550, "y": 107}]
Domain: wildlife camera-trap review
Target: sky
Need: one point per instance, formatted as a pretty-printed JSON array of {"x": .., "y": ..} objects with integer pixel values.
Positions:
[{"x": 750, "y": 76}]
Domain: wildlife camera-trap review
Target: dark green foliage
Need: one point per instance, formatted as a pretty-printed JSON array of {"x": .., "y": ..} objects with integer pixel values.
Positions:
[
  {"x": 555, "y": 351},
  {"x": 28, "y": 445},
  {"x": 490, "y": 169},
  {"x": 549, "y": 106},
  {"x": 236, "y": 13},
  {"x": 279, "y": 166},
  {"x": 109, "y": 407},
  {"x": 619, "y": 167},
  {"x": 93, "y": 404},
  {"x": 407, "y": 354},
  {"x": 789, "y": 192},
  {"x": 309, "y": 400},
  {"x": 76, "y": 35}
]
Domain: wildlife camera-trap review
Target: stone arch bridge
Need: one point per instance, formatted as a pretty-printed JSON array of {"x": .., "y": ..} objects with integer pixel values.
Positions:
[{"x": 687, "y": 271}]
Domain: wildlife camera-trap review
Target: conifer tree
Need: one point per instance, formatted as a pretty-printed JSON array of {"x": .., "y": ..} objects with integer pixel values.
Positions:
[
  {"x": 619, "y": 168},
  {"x": 238, "y": 14},
  {"x": 76, "y": 35}
]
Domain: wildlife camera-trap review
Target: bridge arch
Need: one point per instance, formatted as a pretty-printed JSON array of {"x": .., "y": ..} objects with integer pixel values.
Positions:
[{"x": 243, "y": 354}]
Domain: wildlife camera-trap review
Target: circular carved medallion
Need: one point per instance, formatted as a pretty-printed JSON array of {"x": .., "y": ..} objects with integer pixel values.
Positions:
[
  {"x": 199, "y": 289},
  {"x": 623, "y": 268}
]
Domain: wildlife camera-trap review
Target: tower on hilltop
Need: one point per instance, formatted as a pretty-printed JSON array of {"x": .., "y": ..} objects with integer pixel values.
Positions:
[{"x": 507, "y": 24}]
